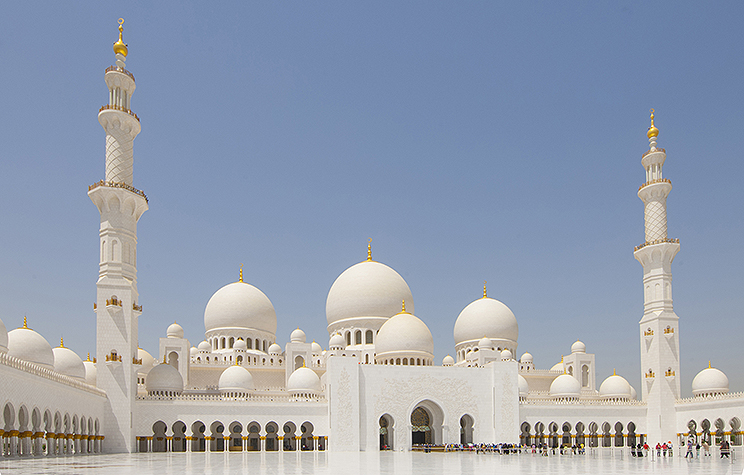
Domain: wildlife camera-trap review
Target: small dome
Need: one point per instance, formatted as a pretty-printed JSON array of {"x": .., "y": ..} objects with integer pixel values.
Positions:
[
  {"x": 578, "y": 347},
  {"x": 236, "y": 378},
  {"x": 205, "y": 346},
  {"x": 303, "y": 380},
  {"x": 90, "y": 372},
  {"x": 240, "y": 305},
  {"x": 175, "y": 331},
  {"x": 164, "y": 377},
  {"x": 275, "y": 349},
  {"x": 565, "y": 386},
  {"x": 526, "y": 358},
  {"x": 26, "y": 344},
  {"x": 337, "y": 341},
  {"x": 67, "y": 362},
  {"x": 315, "y": 348},
  {"x": 240, "y": 344},
  {"x": 710, "y": 381},
  {"x": 615, "y": 387},
  {"x": 367, "y": 289},
  {"x": 506, "y": 355},
  {"x": 147, "y": 361},
  {"x": 3, "y": 338},
  {"x": 558, "y": 366},
  {"x": 194, "y": 351},
  {"x": 448, "y": 361},
  {"x": 297, "y": 336},
  {"x": 489, "y": 317},
  {"x": 404, "y": 332},
  {"x": 524, "y": 388},
  {"x": 633, "y": 393},
  {"x": 485, "y": 344}
]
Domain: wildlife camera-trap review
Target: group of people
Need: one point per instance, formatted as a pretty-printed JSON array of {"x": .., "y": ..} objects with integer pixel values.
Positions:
[
  {"x": 691, "y": 445},
  {"x": 501, "y": 449}
]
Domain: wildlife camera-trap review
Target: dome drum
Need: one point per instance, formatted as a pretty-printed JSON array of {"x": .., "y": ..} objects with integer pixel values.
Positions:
[
  {"x": 405, "y": 358},
  {"x": 498, "y": 344},
  {"x": 363, "y": 324},
  {"x": 223, "y": 340}
]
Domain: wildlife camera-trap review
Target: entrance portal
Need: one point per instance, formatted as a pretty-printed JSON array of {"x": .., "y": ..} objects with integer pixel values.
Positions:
[{"x": 421, "y": 426}]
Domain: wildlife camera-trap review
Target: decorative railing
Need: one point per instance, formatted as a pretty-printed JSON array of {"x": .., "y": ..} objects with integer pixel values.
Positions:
[
  {"x": 668, "y": 330},
  {"x": 114, "y": 301},
  {"x": 119, "y": 108},
  {"x": 650, "y": 374},
  {"x": 541, "y": 372},
  {"x": 136, "y": 361},
  {"x": 544, "y": 401},
  {"x": 715, "y": 397},
  {"x": 653, "y": 151},
  {"x": 113, "y": 357},
  {"x": 668, "y": 373},
  {"x": 658, "y": 180},
  {"x": 120, "y": 70},
  {"x": 648, "y": 333},
  {"x": 253, "y": 397},
  {"x": 33, "y": 368},
  {"x": 656, "y": 241},
  {"x": 136, "y": 307},
  {"x": 114, "y": 184}
]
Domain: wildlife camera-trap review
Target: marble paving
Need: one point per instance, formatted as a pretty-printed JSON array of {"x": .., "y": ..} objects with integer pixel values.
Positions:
[{"x": 363, "y": 463}]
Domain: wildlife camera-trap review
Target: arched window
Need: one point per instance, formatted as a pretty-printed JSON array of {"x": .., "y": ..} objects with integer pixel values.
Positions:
[
  {"x": 232, "y": 342},
  {"x": 348, "y": 338},
  {"x": 584, "y": 376},
  {"x": 369, "y": 336},
  {"x": 222, "y": 342},
  {"x": 397, "y": 361},
  {"x": 358, "y": 337},
  {"x": 249, "y": 343}
]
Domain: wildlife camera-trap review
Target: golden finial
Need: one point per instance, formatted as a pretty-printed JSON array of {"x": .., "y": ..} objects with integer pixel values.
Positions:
[
  {"x": 404, "y": 307},
  {"x": 88, "y": 356},
  {"x": 561, "y": 358},
  {"x": 164, "y": 359},
  {"x": 303, "y": 363},
  {"x": 484, "y": 289},
  {"x": 613, "y": 372},
  {"x": 652, "y": 131},
  {"x": 241, "y": 273},
  {"x": 119, "y": 46},
  {"x": 25, "y": 325},
  {"x": 369, "y": 249},
  {"x": 61, "y": 342},
  {"x": 709, "y": 366}
]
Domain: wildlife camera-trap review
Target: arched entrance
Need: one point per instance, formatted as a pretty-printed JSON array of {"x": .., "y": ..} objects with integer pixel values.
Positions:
[
  {"x": 466, "y": 429},
  {"x": 426, "y": 423},
  {"x": 386, "y": 432}
]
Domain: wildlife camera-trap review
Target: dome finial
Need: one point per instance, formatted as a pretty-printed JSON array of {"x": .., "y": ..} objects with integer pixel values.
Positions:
[
  {"x": 240, "y": 279},
  {"x": 25, "y": 324},
  {"x": 652, "y": 131},
  {"x": 484, "y": 289},
  {"x": 613, "y": 372},
  {"x": 369, "y": 249},
  {"x": 709, "y": 366},
  {"x": 61, "y": 342},
  {"x": 119, "y": 46},
  {"x": 404, "y": 307},
  {"x": 88, "y": 356}
]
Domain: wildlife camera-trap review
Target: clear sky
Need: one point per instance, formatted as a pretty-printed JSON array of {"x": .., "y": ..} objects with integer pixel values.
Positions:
[{"x": 471, "y": 141}]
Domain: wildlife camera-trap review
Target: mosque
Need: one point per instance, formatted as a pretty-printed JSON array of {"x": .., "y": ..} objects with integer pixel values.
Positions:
[{"x": 375, "y": 387}]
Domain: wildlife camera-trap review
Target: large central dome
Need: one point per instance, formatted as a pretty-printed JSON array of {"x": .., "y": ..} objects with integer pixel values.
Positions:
[
  {"x": 240, "y": 305},
  {"x": 367, "y": 289}
]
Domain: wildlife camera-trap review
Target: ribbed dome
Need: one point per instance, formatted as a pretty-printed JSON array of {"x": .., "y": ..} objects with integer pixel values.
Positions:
[
  {"x": 28, "y": 345},
  {"x": 565, "y": 386},
  {"x": 303, "y": 380},
  {"x": 91, "y": 373},
  {"x": 337, "y": 340},
  {"x": 67, "y": 362},
  {"x": 524, "y": 388},
  {"x": 297, "y": 336},
  {"x": 710, "y": 381},
  {"x": 402, "y": 333},
  {"x": 240, "y": 305},
  {"x": 175, "y": 331},
  {"x": 367, "y": 289},
  {"x": 275, "y": 349},
  {"x": 448, "y": 361},
  {"x": 315, "y": 348},
  {"x": 615, "y": 387},
  {"x": 164, "y": 377},
  {"x": 486, "y": 317},
  {"x": 3, "y": 338},
  {"x": 236, "y": 378},
  {"x": 526, "y": 358},
  {"x": 205, "y": 346},
  {"x": 578, "y": 347}
]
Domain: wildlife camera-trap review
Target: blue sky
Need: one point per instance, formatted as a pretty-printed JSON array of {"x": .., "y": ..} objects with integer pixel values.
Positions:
[{"x": 471, "y": 141}]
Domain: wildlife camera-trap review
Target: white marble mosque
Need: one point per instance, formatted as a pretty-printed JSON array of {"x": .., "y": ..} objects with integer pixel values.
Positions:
[{"x": 375, "y": 386}]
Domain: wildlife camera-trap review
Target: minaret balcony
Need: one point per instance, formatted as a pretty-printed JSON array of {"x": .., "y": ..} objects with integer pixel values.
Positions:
[
  {"x": 669, "y": 332},
  {"x": 118, "y": 108},
  {"x": 114, "y": 306},
  {"x": 658, "y": 180},
  {"x": 120, "y": 70},
  {"x": 656, "y": 241},
  {"x": 113, "y": 184},
  {"x": 653, "y": 151},
  {"x": 113, "y": 359}
]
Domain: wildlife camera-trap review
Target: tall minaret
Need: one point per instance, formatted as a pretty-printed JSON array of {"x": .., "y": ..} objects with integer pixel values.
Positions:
[
  {"x": 659, "y": 327},
  {"x": 117, "y": 308}
]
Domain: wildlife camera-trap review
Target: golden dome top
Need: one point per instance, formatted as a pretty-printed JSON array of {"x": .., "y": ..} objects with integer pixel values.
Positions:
[
  {"x": 119, "y": 46},
  {"x": 652, "y": 131}
]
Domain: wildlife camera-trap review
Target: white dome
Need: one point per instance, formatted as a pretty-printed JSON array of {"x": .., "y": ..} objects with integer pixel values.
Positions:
[
  {"x": 236, "y": 378},
  {"x": 67, "y": 362},
  {"x": 240, "y": 344},
  {"x": 526, "y": 358},
  {"x": 558, "y": 366},
  {"x": 315, "y": 348},
  {"x": 489, "y": 317},
  {"x": 275, "y": 349},
  {"x": 565, "y": 386},
  {"x": 303, "y": 380},
  {"x": 194, "y": 351},
  {"x": 240, "y": 305},
  {"x": 164, "y": 377},
  {"x": 337, "y": 340},
  {"x": 205, "y": 346},
  {"x": 147, "y": 361},
  {"x": 710, "y": 381},
  {"x": 175, "y": 331},
  {"x": 28, "y": 345},
  {"x": 297, "y": 336},
  {"x": 524, "y": 388},
  {"x": 3, "y": 338},
  {"x": 402, "y": 333},
  {"x": 615, "y": 387},
  {"x": 485, "y": 344},
  {"x": 90, "y": 372},
  {"x": 367, "y": 289},
  {"x": 633, "y": 393},
  {"x": 578, "y": 347},
  {"x": 506, "y": 355},
  {"x": 448, "y": 361}
]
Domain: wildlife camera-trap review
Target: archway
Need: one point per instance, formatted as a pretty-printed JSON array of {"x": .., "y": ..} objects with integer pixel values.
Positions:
[
  {"x": 426, "y": 423},
  {"x": 290, "y": 443},
  {"x": 198, "y": 441},
  {"x": 619, "y": 434},
  {"x": 386, "y": 432},
  {"x": 593, "y": 437},
  {"x": 735, "y": 424},
  {"x": 631, "y": 434},
  {"x": 178, "y": 442},
  {"x": 692, "y": 430},
  {"x": 236, "y": 437},
  {"x": 307, "y": 436},
  {"x": 566, "y": 438},
  {"x": 217, "y": 444},
  {"x": 553, "y": 435},
  {"x": 525, "y": 438},
  {"x": 254, "y": 439},
  {"x": 272, "y": 437},
  {"x": 173, "y": 359},
  {"x": 539, "y": 433},
  {"x": 606, "y": 437},
  {"x": 159, "y": 442},
  {"x": 580, "y": 433},
  {"x": 466, "y": 429},
  {"x": 299, "y": 362}
]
